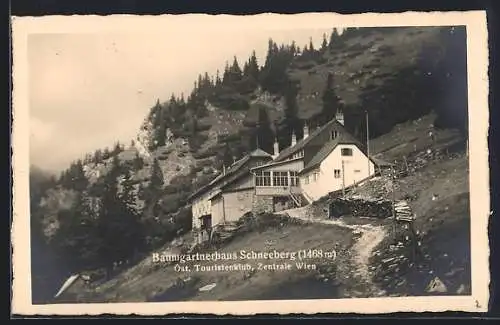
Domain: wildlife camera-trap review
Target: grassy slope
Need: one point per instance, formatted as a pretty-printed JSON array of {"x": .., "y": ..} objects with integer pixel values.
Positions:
[
  {"x": 355, "y": 68},
  {"x": 443, "y": 222},
  {"x": 151, "y": 281}
]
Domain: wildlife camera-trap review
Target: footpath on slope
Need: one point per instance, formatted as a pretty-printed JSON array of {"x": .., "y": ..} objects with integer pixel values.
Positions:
[{"x": 370, "y": 236}]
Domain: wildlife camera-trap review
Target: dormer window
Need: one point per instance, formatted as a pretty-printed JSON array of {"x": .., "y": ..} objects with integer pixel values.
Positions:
[
  {"x": 298, "y": 154},
  {"x": 334, "y": 134}
]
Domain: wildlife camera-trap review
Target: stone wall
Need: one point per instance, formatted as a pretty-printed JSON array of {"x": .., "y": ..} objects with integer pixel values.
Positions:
[{"x": 262, "y": 204}]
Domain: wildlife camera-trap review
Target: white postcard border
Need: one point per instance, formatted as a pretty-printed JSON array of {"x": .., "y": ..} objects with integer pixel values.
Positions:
[{"x": 477, "y": 52}]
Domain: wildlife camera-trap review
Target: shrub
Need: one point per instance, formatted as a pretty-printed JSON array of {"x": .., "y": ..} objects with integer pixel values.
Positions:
[
  {"x": 196, "y": 141},
  {"x": 235, "y": 137},
  {"x": 320, "y": 60},
  {"x": 353, "y": 54},
  {"x": 305, "y": 65},
  {"x": 358, "y": 48},
  {"x": 183, "y": 219},
  {"x": 205, "y": 163},
  {"x": 197, "y": 169},
  {"x": 232, "y": 101},
  {"x": 210, "y": 152},
  {"x": 203, "y": 126},
  {"x": 385, "y": 50}
]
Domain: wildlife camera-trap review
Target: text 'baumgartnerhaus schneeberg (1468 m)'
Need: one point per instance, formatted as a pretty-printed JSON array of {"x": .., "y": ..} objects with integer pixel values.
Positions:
[{"x": 244, "y": 260}]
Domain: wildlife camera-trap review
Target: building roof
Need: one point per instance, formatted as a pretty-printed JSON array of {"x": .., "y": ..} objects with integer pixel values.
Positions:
[
  {"x": 230, "y": 171},
  {"x": 242, "y": 174},
  {"x": 260, "y": 153},
  {"x": 285, "y": 153},
  {"x": 275, "y": 163},
  {"x": 328, "y": 147}
]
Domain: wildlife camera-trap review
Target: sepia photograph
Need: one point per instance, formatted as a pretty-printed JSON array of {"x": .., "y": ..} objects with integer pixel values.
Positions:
[{"x": 289, "y": 163}]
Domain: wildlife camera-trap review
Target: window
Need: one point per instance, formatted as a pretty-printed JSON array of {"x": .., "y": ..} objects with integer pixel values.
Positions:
[
  {"x": 346, "y": 152},
  {"x": 294, "y": 179},
  {"x": 280, "y": 178},
  {"x": 334, "y": 134},
  {"x": 298, "y": 154},
  {"x": 206, "y": 222},
  {"x": 306, "y": 180},
  {"x": 336, "y": 173},
  {"x": 262, "y": 178},
  {"x": 357, "y": 171},
  {"x": 315, "y": 176}
]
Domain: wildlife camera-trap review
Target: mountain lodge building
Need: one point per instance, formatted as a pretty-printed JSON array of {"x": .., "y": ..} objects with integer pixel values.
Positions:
[{"x": 323, "y": 161}]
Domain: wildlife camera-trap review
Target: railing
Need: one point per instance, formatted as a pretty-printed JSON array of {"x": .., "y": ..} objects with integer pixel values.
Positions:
[
  {"x": 295, "y": 199},
  {"x": 308, "y": 198}
]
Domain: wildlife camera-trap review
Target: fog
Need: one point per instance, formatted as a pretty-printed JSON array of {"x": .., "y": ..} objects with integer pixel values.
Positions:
[{"x": 88, "y": 90}]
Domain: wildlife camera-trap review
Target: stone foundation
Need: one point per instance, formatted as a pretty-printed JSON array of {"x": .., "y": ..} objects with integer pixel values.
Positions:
[
  {"x": 262, "y": 204},
  {"x": 200, "y": 235}
]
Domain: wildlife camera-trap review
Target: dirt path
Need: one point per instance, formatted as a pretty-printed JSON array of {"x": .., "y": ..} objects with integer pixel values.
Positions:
[
  {"x": 370, "y": 237},
  {"x": 363, "y": 250}
]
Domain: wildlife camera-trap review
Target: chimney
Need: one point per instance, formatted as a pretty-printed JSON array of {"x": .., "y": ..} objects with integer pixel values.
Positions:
[
  {"x": 339, "y": 116},
  {"x": 306, "y": 130},
  {"x": 294, "y": 139},
  {"x": 276, "y": 148}
]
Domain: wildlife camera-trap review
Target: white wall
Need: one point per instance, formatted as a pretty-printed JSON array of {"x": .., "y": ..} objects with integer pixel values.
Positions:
[
  {"x": 217, "y": 210},
  {"x": 236, "y": 204},
  {"x": 355, "y": 170}
]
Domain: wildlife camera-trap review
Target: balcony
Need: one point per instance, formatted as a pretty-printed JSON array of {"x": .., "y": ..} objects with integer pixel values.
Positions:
[{"x": 277, "y": 190}]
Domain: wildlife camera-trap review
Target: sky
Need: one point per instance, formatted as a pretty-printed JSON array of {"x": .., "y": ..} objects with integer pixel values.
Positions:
[{"x": 89, "y": 90}]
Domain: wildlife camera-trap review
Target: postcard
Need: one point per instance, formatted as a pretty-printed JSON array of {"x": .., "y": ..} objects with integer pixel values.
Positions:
[{"x": 217, "y": 164}]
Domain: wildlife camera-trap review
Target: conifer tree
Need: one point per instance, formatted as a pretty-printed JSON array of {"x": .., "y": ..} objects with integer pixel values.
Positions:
[
  {"x": 98, "y": 156},
  {"x": 74, "y": 177},
  {"x": 159, "y": 125},
  {"x": 200, "y": 83},
  {"x": 218, "y": 81},
  {"x": 331, "y": 102},
  {"x": 270, "y": 53},
  {"x": 293, "y": 48},
  {"x": 226, "y": 77},
  {"x": 138, "y": 162},
  {"x": 116, "y": 149},
  {"x": 291, "y": 119},
  {"x": 207, "y": 82},
  {"x": 227, "y": 156},
  {"x": 80, "y": 181},
  {"x": 335, "y": 39},
  {"x": 311, "y": 46},
  {"x": 155, "y": 183},
  {"x": 264, "y": 136},
  {"x": 324, "y": 44},
  {"x": 253, "y": 66},
  {"x": 245, "y": 70},
  {"x": 78, "y": 240},
  {"x": 235, "y": 71},
  {"x": 172, "y": 100},
  {"x": 117, "y": 224}
]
